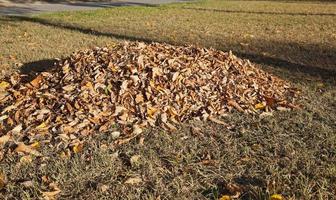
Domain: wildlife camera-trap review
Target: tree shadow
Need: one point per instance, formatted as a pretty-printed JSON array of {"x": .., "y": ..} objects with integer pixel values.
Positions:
[
  {"x": 241, "y": 185},
  {"x": 304, "y": 55},
  {"x": 259, "y": 12},
  {"x": 88, "y": 31}
]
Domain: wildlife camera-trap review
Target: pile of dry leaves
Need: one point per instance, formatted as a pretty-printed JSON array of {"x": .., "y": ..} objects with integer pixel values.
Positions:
[{"x": 128, "y": 87}]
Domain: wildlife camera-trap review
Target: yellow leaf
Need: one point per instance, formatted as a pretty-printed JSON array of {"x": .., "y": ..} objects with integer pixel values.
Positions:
[
  {"x": 151, "y": 111},
  {"x": 4, "y": 85},
  {"x": 43, "y": 125},
  {"x": 320, "y": 84},
  {"x": 89, "y": 85},
  {"x": 65, "y": 154},
  {"x": 160, "y": 89},
  {"x": 50, "y": 195},
  {"x": 66, "y": 69},
  {"x": 225, "y": 197},
  {"x": 259, "y": 106},
  {"x": 77, "y": 147},
  {"x": 276, "y": 197},
  {"x": 35, "y": 145},
  {"x": 26, "y": 159}
]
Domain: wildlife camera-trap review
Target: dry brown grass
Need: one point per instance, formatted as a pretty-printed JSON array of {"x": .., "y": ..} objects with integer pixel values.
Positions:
[{"x": 291, "y": 153}]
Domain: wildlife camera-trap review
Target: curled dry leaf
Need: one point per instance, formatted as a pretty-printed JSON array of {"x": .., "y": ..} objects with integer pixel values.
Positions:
[
  {"x": 133, "y": 181},
  {"x": 50, "y": 195},
  {"x": 37, "y": 81},
  {"x": 276, "y": 197},
  {"x": 259, "y": 106},
  {"x": 22, "y": 148},
  {"x": 3, "y": 180},
  {"x": 236, "y": 106},
  {"x": 217, "y": 121},
  {"x": 4, "y": 139},
  {"x": 132, "y": 85}
]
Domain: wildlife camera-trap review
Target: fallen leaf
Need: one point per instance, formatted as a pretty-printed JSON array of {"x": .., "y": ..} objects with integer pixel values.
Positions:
[
  {"x": 115, "y": 134},
  {"x": 133, "y": 181},
  {"x": 22, "y": 148},
  {"x": 217, "y": 121},
  {"x": 17, "y": 129},
  {"x": 35, "y": 145},
  {"x": 137, "y": 130},
  {"x": 77, "y": 147},
  {"x": 225, "y": 197},
  {"x": 3, "y": 180},
  {"x": 276, "y": 197},
  {"x": 135, "y": 160},
  {"x": 265, "y": 114},
  {"x": 236, "y": 106},
  {"x": 4, "y": 139},
  {"x": 26, "y": 159},
  {"x": 43, "y": 125},
  {"x": 27, "y": 184},
  {"x": 4, "y": 85},
  {"x": 50, "y": 195},
  {"x": 37, "y": 81},
  {"x": 65, "y": 154},
  {"x": 103, "y": 188},
  {"x": 259, "y": 106}
]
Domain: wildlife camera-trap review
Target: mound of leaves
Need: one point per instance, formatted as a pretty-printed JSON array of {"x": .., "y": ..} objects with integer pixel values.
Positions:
[{"x": 124, "y": 88}]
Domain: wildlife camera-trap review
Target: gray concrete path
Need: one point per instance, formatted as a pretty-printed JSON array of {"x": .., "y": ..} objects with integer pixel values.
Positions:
[{"x": 19, "y": 8}]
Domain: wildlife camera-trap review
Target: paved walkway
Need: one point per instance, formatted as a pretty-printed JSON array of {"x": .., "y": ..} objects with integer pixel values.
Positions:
[{"x": 17, "y": 8}]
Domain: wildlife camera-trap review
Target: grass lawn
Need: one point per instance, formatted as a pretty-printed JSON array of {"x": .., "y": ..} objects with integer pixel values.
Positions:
[{"x": 290, "y": 153}]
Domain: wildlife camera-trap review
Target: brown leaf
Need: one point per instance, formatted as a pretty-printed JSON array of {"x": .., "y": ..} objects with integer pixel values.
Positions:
[
  {"x": 133, "y": 181},
  {"x": 3, "y": 180},
  {"x": 217, "y": 121},
  {"x": 22, "y": 148},
  {"x": 50, "y": 195},
  {"x": 236, "y": 106},
  {"x": 37, "y": 81},
  {"x": 4, "y": 139}
]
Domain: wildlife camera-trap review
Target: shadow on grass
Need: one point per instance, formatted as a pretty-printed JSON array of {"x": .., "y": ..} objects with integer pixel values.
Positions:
[
  {"x": 241, "y": 186},
  {"x": 31, "y": 69},
  {"x": 303, "y": 62},
  {"x": 37, "y": 66},
  {"x": 259, "y": 12}
]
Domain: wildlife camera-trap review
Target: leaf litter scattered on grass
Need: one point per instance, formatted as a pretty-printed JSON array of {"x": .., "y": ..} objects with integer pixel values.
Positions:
[{"x": 128, "y": 87}]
